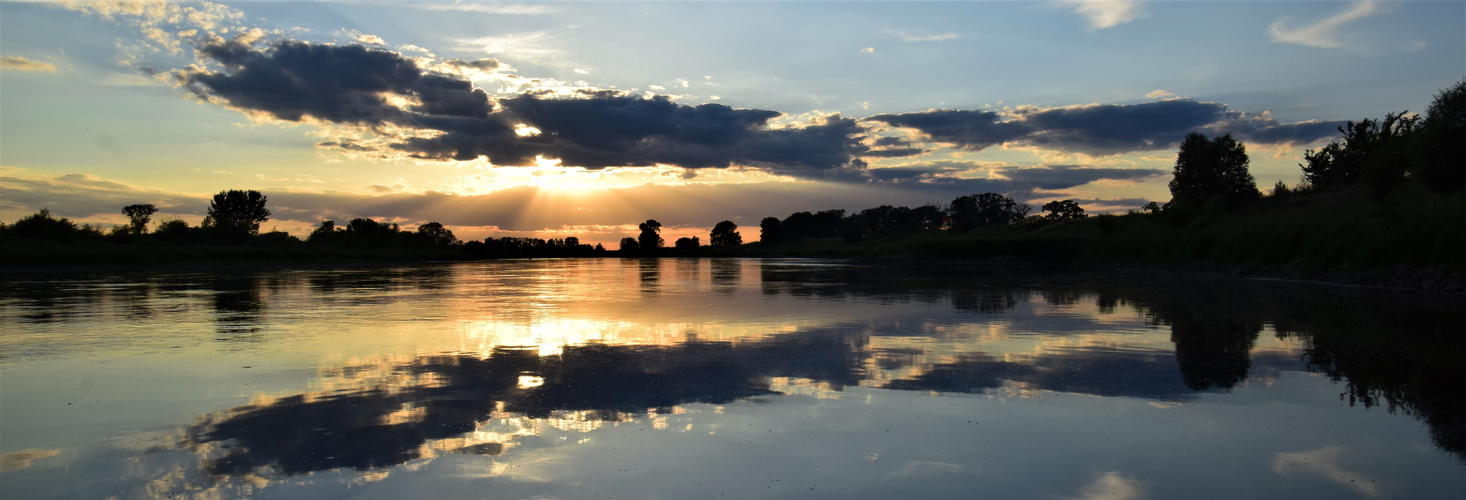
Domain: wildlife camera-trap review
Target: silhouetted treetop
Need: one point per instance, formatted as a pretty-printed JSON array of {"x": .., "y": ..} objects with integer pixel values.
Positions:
[
  {"x": 982, "y": 210},
  {"x": 650, "y": 238},
  {"x": 1208, "y": 168},
  {"x": 725, "y": 234},
  {"x": 238, "y": 211},
  {"x": 138, "y": 216}
]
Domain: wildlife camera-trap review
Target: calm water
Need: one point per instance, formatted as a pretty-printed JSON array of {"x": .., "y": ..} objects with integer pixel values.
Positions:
[{"x": 684, "y": 378}]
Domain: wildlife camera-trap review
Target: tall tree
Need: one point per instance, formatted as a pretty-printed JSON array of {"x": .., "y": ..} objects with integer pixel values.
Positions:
[
  {"x": 768, "y": 230},
  {"x": 1208, "y": 168},
  {"x": 982, "y": 210},
  {"x": 725, "y": 234},
  {"x": 138, "y": 216},
  {"x": 1441, "y": 161},
  {"x": 239, "y": 211},
  {"x": 436, "y": 234},
  {"x": 650, "y": 238}
]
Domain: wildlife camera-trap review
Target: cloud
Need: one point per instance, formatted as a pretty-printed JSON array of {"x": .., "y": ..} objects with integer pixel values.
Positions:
[
  {"x": 1053, "y": 177},
  {"x": 868, "y": 50},
  {"x": 23, "y": 64},
  {"x": 1105, "y": 13},
  {"x": 1321, "y": 34},
  {"x": 923, "y": 37},
  {"x": 1159, "y": 94},
  {"x": 1325, "y": 462},
  {"x": 974, "y": 130},
  {"x": 507, "y": 9},
  {"x": 83, "y": 195},
  {"x": 1104, "y": 129},
  {"x": 1113, "y": 485},
  {"x": 442, "y": 117}
]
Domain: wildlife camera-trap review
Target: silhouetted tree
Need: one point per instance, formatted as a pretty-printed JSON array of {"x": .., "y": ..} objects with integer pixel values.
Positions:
[
  {"x": 725, "y": 234},
  {"x": 41, "y": 225},
  {"x": 650, "y": 239},
  {"x": 436, "y": 234},
  {"x": 138, "y": 216},
  {"x": 769, "y": 230},
  {"x": 629, "y": 245},
  {"x": 982, "y": 210},
  {"x": 1062, "y": 210},
  {"x": 685, "y": 243},
  {"x": 238, "y": 211},
  {"x": 1372, "y": 152},
  {"x": 571, "y": 241},
  {"x": 325, "y": 233},
  {"x": 1208, "y": 168},
  {"x": 1439, "y": 161}
]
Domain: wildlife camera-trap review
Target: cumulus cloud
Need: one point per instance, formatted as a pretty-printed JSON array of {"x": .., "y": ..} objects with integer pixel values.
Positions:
[
  {"x": 1103, "y": 14},
  {"x": 442, "y": 117},
  {"x": 1321, "y": 34},
  {"x": 1104, "y": 129},
  {"x": 23, "y": 64}
]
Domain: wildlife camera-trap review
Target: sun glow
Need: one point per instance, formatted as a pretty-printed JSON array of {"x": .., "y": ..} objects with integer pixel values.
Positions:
[{"x": 523, "y": 130}]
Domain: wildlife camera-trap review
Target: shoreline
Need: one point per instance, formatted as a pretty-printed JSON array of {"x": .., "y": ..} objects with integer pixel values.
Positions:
[{"x": 1431, "y": 280}]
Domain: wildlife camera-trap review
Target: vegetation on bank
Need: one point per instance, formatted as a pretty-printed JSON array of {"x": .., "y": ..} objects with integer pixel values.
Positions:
[{"x": 1388, "y": 195}]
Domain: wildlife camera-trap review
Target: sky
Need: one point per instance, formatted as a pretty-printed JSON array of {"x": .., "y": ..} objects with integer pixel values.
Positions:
[{"x": 583, "y": 119}]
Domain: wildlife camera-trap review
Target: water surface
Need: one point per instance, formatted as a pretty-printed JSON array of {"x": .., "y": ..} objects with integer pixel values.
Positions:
[{"x": 701, "y": 378}]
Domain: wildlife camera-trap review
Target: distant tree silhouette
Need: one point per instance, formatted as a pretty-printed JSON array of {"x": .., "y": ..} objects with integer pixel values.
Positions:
[
  {"x": 725, "y": 234},
  {"x": 1062, "y": 210},
  {"x": 571, "y": 241},
  {"x": 768, "y": 230},
  {"x": 599, "y": 248},
  {"x": 685, "y": 243},
  {"x": 1209, "y": 168},
  {"x": 982, "y": 210},
  {"x": 650, "y": 238},
  {"x": 805, "y": 225},
  {"x": 436, "y": 235},
  {"x": 41, "y": 225},
  {"x": 629, "y": 245},
  {"x": 138, "y": 216},
  {"x": 1151, "y": 207},
  {"x": 1440, "y": 162},
  {"x": 238, "y": 211}
]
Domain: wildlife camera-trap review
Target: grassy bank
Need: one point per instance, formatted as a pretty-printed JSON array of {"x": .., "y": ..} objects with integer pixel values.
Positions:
[{"x": 1329, "y": 236}]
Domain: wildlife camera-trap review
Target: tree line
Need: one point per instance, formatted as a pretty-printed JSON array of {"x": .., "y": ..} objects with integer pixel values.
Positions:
[{"x": 1211, "y": 174}]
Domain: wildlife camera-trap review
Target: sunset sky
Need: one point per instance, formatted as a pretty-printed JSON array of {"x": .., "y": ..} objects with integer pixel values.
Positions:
[{"x": 582, "y": 119}]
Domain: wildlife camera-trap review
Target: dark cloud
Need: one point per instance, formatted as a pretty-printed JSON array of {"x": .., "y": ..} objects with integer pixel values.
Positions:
[
  {"x": 969, "y": 129},
  {"x": 1067, "y": 176},
  {"x": 349, "y": 84},
  {"x": 292, "y": 80},
  {"x": 1104, "y": 129},
  {"x": 481, "y": 64}
]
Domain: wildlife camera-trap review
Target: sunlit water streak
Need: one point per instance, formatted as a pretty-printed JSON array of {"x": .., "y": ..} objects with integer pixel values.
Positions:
[{"x": 721, "y": 377}]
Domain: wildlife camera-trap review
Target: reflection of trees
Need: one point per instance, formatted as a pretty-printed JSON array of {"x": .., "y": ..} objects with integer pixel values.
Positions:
[
  {"x": 650, "y": 272},
  {"x": 237, "y": 303},
  {"x": 1403, "y": 355},
  {"x": 726, "y": 274},
  {"x": 1213, "y": 352}
]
